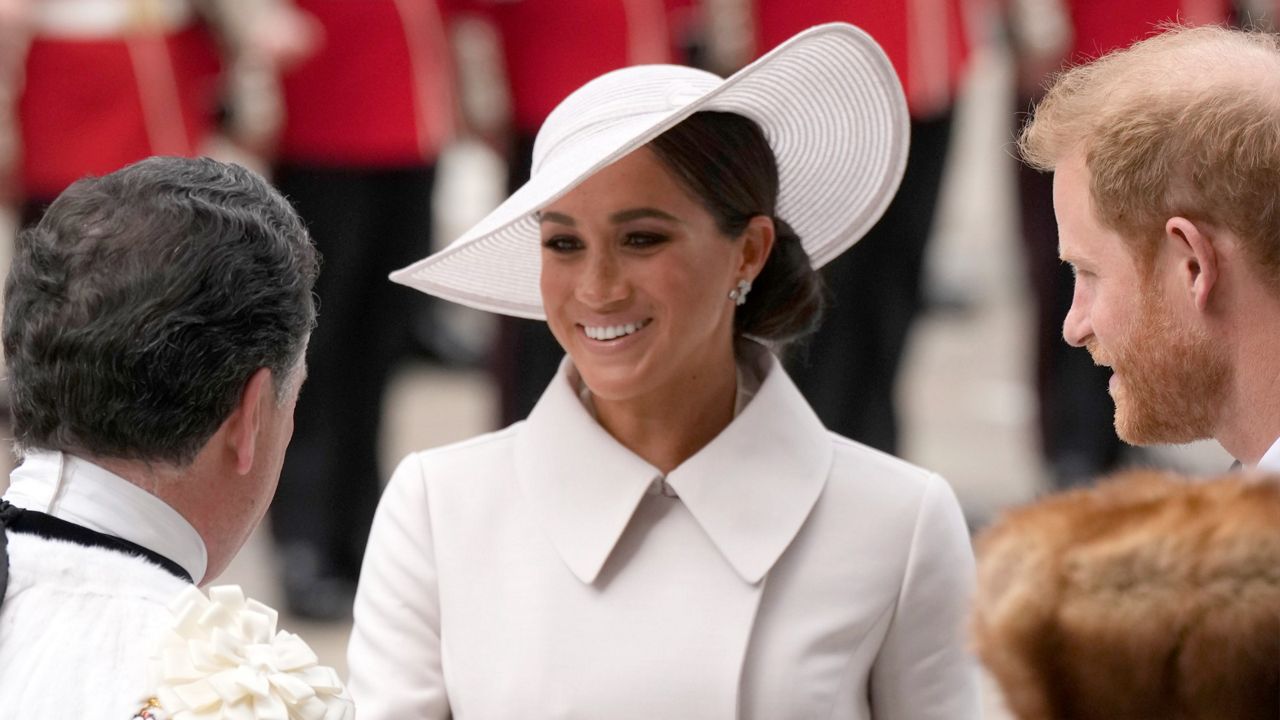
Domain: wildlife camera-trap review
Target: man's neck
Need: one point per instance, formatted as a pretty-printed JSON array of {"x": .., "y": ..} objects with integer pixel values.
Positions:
[
  {"x": 1250, "y": 424},
  {"x": 187, "y": 490},
  {"x": 1250, "y": 420}
]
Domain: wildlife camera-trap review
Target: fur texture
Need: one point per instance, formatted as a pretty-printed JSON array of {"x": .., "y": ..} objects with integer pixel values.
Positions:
[
  {"x": 1149, "y": 596},
  {"x": 78, "y": 628}
]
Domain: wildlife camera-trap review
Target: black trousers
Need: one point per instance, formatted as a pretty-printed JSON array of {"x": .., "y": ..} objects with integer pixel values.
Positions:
[
  {"x": 847, "y": 370},
  {"x": 365, "y": 224}
]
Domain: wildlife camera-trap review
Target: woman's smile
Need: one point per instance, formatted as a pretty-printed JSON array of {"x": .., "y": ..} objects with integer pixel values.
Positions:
[{"x": 607, "y": 333}]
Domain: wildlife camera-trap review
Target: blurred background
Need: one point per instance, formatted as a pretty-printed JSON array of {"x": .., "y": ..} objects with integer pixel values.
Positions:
[{"x": 394, "y": 124}]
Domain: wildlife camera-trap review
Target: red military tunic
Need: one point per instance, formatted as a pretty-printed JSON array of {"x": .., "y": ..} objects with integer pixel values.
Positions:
[
  {"x": 926, "y": 40},
  {"x": 1104, "y": 25},
  {"x": 553, "y": 47},
  {"x": 102, "y": 91},
  {"x": 684, "y": 21},
  {"x": 378, "y": 92}
]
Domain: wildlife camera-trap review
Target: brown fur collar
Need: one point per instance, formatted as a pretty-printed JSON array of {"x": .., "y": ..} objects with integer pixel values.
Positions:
[{"x": 1150, "y": 596}]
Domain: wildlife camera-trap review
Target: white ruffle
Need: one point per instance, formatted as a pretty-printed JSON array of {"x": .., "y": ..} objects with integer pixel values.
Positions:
[{"x": 225, "y": 660}]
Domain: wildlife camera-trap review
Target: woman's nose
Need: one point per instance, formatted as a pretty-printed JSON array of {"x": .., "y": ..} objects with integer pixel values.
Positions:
[{"x": 603, "y": 281}]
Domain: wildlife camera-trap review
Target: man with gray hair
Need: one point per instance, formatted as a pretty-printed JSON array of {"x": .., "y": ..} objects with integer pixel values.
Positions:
[
  {"x": 1167, "y": 195},
  {"x": 155, "y": 325}
]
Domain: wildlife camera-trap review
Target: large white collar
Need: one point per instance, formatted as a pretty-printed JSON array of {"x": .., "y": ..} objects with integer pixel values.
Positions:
[
  {"x": 76, "y": 490},
  {"x": 751, "y": 488}
]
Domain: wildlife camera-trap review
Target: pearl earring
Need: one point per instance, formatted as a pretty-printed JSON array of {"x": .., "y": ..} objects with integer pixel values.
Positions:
[{"x": 739, "y": 294}]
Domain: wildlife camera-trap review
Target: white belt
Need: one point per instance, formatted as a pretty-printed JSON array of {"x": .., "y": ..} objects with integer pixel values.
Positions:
[{"x": 90, "y": 19}]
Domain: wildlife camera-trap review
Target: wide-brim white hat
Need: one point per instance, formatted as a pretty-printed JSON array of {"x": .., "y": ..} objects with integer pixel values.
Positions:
[{"x": 828, "y": 101}]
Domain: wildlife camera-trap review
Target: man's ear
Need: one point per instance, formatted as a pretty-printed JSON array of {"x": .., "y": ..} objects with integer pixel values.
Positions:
[
  {"x": 757, "y": 242},
  {"x": 1196, "y": 258},
  {"x": 241, "y": 426}
]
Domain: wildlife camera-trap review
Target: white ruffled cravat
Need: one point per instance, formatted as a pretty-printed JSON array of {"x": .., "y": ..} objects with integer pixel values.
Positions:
[{"x": 225, "y": 660}]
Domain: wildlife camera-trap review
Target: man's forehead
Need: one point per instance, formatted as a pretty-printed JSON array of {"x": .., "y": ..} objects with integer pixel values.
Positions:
[
  {"x": 1071, "y": 178},
  {"x": 1072, "y": 207},
  {"x": 1085, "y": 242}
]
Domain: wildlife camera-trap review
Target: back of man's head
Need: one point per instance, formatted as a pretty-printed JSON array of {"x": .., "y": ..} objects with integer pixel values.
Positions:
[
  {"x": 1185, "y": 123},
  {"x": 140, "y": 305}
]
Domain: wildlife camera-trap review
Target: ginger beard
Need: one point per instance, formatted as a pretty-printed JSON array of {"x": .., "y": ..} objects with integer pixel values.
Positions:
[{"x": 1169, "y": 378}]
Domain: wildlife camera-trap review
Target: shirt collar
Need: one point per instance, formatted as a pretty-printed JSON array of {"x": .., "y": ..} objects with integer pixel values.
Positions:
[
  {"x": 1270, "y": 461},
  {"x": 750, "y": 489},
  {"x": 76, "y": 490}
]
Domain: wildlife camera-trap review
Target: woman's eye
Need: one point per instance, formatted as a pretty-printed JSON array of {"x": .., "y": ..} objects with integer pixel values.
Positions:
[
  {"x": 562, "y": 243},
  {"x": 644, "y": 239}
]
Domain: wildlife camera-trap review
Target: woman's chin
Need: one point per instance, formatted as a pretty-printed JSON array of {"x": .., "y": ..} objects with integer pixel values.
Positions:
[{"x": 609, "y": 384}]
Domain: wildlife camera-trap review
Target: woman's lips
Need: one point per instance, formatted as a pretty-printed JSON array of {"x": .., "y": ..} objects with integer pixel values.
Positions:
[{"x": 614, "y": 331}]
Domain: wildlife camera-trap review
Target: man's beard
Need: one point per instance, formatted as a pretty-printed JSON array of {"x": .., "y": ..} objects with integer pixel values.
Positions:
[{"x": 1171, "y": 380}]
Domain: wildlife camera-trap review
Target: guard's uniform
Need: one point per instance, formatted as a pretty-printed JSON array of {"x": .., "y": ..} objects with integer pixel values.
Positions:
[
  {"x": 365, "y": 120},
  {"x": 108, "y": 83}
]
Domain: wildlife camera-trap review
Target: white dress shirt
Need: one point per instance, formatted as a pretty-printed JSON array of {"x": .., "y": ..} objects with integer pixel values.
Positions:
[
  {"x": 1270, "y": 461},
  {"x": 78, "y": 491}
]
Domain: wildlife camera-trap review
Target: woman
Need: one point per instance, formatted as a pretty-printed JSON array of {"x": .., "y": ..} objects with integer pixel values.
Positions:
[{"x": 672, "y": 533}]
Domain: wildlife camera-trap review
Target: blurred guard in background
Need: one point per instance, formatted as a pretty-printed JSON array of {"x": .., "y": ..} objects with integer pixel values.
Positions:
[
  {"x": 848, "y": 370},
  {"x": 89, "y": 86},
  {"x": 366, "y": 117},
  {"x": 103, "y": 83}
]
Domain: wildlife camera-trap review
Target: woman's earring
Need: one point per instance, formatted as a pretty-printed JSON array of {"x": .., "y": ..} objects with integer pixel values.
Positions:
[{"x": 739, "y": 294}]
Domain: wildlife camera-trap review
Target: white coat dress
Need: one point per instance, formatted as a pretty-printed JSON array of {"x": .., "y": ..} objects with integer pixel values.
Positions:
[{"x": 534, "y": 573}]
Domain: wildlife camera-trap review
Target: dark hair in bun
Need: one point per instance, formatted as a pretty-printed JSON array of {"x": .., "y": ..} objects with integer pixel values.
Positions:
[{"x": 725, "y": 160}]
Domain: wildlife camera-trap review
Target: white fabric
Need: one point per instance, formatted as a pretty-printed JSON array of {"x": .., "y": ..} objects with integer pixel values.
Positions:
[
  {"x": 1270, "y": 461},
  {"x": 97, "y": 19},
  {"x": 528, "y": 573},
  {"x": 77, "y": 629},
  {"x": 227, "y": 660},
  {"x": 828, "y": 100},
  {"x": 78, "y": 491}
]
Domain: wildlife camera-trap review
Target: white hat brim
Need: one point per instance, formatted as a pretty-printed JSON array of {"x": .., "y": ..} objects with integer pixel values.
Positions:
[{"x": 831, "y": 106}]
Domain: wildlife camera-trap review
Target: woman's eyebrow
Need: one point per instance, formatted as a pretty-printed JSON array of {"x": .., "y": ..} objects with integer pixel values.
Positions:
[{"x": 555, "y": 217}]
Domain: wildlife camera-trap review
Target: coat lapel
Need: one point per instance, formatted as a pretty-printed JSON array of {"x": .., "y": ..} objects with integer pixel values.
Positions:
[
  {"x": 750, "y": 489},
  {"x": 582, "y": 485}
]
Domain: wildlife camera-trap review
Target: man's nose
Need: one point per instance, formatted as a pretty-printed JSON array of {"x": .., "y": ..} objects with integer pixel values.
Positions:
[{"x": 1076, "y": 327}]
